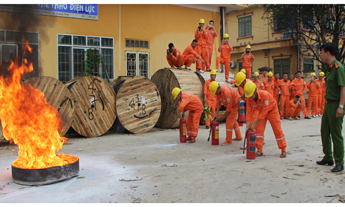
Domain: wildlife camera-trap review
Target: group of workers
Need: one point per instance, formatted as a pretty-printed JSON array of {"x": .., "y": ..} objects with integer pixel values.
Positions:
[
  {"x": 201, "y": 49},
  {"x": 262, "y": 101}
]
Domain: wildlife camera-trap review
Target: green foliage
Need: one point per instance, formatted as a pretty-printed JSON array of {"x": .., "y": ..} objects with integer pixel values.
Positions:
[
  {"x": 207, "y": 110},
  {"x": 92, "y": 62}
]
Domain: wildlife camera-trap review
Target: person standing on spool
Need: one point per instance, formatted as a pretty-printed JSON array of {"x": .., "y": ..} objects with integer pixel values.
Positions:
[
  {"x": 189, "y": 102},
  {"x": 225, "y": 56},
  {"x": 257, "y": 82},
  {"x": 313, "y": 86},
  {"x": 201, "y": 35},
  {"x": 210, "y": 98},
  {"x": 174, "y": 56},
  {"x": 333, "y": 116},
  {"x": 261, "y": 107},
  {"x": 229, "y": 97},
  {"x": 247, "y": 59},
  {"x": 210, "y": 41},
  {"x": 190, "y": 55}
]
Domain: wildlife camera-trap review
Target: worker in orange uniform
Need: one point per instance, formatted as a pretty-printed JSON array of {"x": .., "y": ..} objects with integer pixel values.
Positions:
[
  {"x": 174, "y": 56},
  {"x": 189, "y": 102},
  {"x": 295, "y": 108},
  {"x": 276, "y": 79},
  {"x": 264, "y": 74},
  {"x": 292, "y": 77},
  {"x": 269, "y": 83},
  {"x": 321, "y": 99},
  {"x": 229, "y": 97},
  {"x": 209, "y": 98},
  {"x": 240, "y": 80},
  {"x": 201, "y": 35},
  {"x": 262, "y": 103},
  {"x": 299, "y": 86},
  {"x": 257, "y": 82},
  {"x": 247, "y": 59},
  {"x": 190, "y": 55},
  {"x": 225, "y": 56},
  {"x": 313, "y": 87},
  {"x": 211, "y": 32},
  {"x": 283, "y": 87}
]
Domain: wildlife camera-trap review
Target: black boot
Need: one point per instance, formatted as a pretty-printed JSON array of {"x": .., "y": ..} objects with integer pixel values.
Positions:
[
  {"x": 322, "y": 162},
  {"x": 338, "y": 169}
]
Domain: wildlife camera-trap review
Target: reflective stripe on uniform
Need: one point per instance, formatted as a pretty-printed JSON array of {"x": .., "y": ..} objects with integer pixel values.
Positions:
[
  {"x": 280, "y": 138},
  {"x": 260, "y": 136},
  {"x": 230, "y": 130}
]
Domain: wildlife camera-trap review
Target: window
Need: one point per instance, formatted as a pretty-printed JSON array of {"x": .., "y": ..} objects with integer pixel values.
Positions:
[
  {"x": 308, "y": 65},
  {"x": 72, "y": 55},
  {"x": 11, "y": 48},
  {"x": 137, "y": 43},
  {"x": 245, "y": 26},
  {"x": 137, "y": 64},
  {"x": 282, "y": 65},
  {"x": 307, "y": 24}
]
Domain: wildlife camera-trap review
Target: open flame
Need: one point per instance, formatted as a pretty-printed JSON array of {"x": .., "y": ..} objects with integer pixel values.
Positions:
[{"x": 30, "y": 122}]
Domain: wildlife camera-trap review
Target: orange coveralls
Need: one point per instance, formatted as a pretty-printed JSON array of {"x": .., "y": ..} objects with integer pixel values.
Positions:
[
  {"x": 259, "y": 85},
  {"x": 211, "y": 101},
  {"x": 229, "y": 97},
  {"x": 190, "y": 102},
  {"x": 240, "y": 88},
  {"x": 313, "y": 95},
  {"x": 321, "y": 98},
  {"x": 275, "y": 90},
  {"x": 284, "y": 97},
  {"x": 247, "y": 64},
  {"x": 201, "y": 49},
  {"x": 224, "y": 58},
  {"x": 265, "y": 76},
  {"x": 293, "y": 112},
  {"x": 266, "y": 108},
  {"x": 269, "y": 86},
  {"x": 209, "y": 43},
  {"x": 297, "y": 86},
  {"x": 190, "y": 55},
  {"x": 177, "y": 59}
]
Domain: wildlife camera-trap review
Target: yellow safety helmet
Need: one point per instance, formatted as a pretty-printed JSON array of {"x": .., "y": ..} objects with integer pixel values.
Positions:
[
  {"x": 239, "y": 78},
  {"x": 213, "y": 72},
  {"x": 214, "y": 86},
  {"x": 201, "y": 21},
  {"x": 243, "y": 71},
  {"x": 313, "y": 74},
  {"x": 270, "y": 74},
  {"x": 249, "y": 89},
  {"x": 322, "y": 74},
  {"x": 175, "y": 92},
  {"x": 248, "y": 47},
  {"x": 256, "y": 74},
  {"x": 225, "y": 36}
]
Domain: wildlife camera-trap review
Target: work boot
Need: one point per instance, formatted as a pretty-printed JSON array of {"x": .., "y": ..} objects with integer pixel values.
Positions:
[
  {"x": 207, "y": 127},
  {"x": 322, "y": 162},
  {"x": 338, "y": 169},
  {"x": 237, "y": 138},
  {"x": 226, "y": 143},
  {"x": 307, "y": 117},
  {"x": 189, "y": 68}
]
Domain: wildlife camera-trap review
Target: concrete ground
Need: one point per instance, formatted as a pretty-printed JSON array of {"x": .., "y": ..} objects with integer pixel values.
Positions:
[{"x": 155, "y": 168}]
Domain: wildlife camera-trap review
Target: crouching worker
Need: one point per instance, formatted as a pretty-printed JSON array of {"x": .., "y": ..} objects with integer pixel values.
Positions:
[
  {"x": 263, "y": 104},
  {"x": 189, "y": 102},
  {"x": 295, "y": 108},
  {"x": 229, "y": 97}
]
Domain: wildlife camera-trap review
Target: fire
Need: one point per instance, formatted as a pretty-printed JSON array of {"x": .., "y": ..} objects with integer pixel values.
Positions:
[{"x": 30, "y": 122}]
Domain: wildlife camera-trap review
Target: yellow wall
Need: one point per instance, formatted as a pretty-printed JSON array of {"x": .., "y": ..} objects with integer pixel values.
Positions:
[{"x": 158, "y": 24}]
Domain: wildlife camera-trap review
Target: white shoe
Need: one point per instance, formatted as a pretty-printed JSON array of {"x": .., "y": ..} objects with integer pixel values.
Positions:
[
  {"x": 188, "y": 68},
  {"x": 319, "y": 115},
  {"x": 314, "y": 116},
  {"x": 199, "y": 71},
  {"x": 217, "y": 70}
]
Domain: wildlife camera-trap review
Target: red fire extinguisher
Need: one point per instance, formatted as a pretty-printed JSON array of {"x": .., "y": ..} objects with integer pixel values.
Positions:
[
  {"x": 183, "y": 130},
  {"x": 214, "y": 130},
  {"x": 251, "y": 144},
  {"x": 241, "y": 118}
]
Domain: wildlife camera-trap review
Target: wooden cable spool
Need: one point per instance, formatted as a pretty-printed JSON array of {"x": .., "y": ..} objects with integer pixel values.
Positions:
[
  {"x": 94, "y": 105},
  {"x": 220, "y": 78},
  {"x": 2, "y": 138},
  {"x": 166, "y": 80},
  {"x": 58, "y": 96},
  {"x": 138, "y": 104}
]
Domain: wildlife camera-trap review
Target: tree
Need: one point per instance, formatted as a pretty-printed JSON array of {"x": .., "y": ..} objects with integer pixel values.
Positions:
[
  {"x": 92, "y": 62},
  {"x": 312, "y": 25}
]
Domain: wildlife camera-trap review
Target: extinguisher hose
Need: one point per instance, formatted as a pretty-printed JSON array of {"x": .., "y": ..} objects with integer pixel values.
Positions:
[
  {"x": 244, "y": 144},
  {"x": 210, "y": 132}
]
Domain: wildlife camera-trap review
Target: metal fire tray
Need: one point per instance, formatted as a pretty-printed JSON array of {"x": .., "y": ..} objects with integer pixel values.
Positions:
[{"x": 46, "y": 175}]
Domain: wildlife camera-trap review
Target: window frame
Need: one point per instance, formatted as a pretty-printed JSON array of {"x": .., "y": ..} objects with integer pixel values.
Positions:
[
  {"x": 282, "y": 72},
  {"x": 304, "y": 63},
  {"x": 137, "y": 71},
  {"x": 251, "y": 25},
  {"x": 85, "y": 47}
]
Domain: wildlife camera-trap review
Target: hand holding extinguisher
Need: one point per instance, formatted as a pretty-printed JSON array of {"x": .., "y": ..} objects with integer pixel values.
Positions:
[
  {"x": 183, "y": 129},
  {"x": 251, "y": 143}
]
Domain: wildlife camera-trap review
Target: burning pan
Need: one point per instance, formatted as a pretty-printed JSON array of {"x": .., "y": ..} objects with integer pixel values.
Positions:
[{"x": 46, "y": 175}]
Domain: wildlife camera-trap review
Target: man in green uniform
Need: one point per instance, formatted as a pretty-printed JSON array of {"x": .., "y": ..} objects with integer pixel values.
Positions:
[{"x": 332, "y": 119}]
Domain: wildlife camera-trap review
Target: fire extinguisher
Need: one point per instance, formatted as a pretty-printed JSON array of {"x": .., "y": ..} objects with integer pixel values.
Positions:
[
  {"x": 251, "y": 144},
  {"x": 214, "y": 130},
  {"x": 183, "y": 130},
  {"x": 241, "y": 118}
]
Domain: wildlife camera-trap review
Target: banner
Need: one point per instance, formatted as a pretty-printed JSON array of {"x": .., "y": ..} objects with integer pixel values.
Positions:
[{"x": 81, "y": 11}]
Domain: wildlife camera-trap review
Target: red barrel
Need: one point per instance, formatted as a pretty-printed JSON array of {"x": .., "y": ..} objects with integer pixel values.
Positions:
[
  {"x": 183, "y": 131},
  {"x": 215, "y": 133},
  {"x": 241, "y": 112},
  {"x": 251, "y": 144}
]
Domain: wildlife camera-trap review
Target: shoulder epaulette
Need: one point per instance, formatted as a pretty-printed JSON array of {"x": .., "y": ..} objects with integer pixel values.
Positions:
[{"x": 336, "y": 65}]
